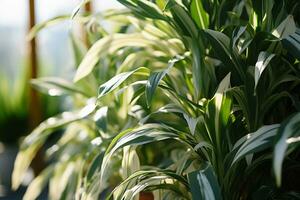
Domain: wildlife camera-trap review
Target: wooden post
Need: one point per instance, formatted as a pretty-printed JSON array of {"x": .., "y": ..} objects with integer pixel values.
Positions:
[
  {"x": 34, "y": 101},
  {"x": 88, "y": 8}
]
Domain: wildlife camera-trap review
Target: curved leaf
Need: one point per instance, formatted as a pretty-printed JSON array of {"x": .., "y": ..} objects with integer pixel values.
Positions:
[
  {"x": 221, "y": 44},
  {"x": 53, "y": 21},
  {"x": 204, "y": 184},
  {"x": 143, "y": 135},
  {"x": 36, "y": 186},
  {"x": 288, "y": 133},
  {"x": 117, "y": 80},
  {"x": 149, "y": 179},
  {"x": 54, "y": 86},
  {"x": 106, "y": 45},
  {"x": 156, "y": 77},
  {"x": 130, "y": 161},
  {"x": 37, "y": 138},
  {"x": 286, "y": 28},
  {"x": 263, "y": 60},
  {"x": 257, "y": 141},
  {"x": 199, "y": 14},
  {"x": 292, "y": 43}
]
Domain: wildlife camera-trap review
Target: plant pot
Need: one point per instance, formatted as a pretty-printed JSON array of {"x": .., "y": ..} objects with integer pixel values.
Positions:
[{"x": 8, "y": 153}]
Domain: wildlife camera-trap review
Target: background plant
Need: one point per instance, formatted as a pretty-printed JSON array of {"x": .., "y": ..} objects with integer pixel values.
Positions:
[
  {"x": 215, "y": 84},
  {"x": 13, "y": 108},
  {"x": 89, "y": 128}
]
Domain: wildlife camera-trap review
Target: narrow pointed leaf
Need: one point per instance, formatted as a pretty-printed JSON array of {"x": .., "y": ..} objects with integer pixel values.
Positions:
[
  {"x": 37, "y": 138},
  {"x": 156, "y": 77},
  {"x": 117, "y": 80},
  {"x": 221, "y": 44},
  {"x": 51, "y": 22},
  {"x": 199, "y": 14},
  {"x": 204, "y": 184},
  {"x": 143, "y": 135},
  {"x": 292, "y": 43},
  {"x": 107, "y": 45},
  {"x": 260, "y": 140},
  {"x": 38, "y": 184},
  {"x": 264, "y": 59},
  {"x": 286, "y": 28},
  {"x": 288, "y": 134},
  {"x": 54, "y": 86}
]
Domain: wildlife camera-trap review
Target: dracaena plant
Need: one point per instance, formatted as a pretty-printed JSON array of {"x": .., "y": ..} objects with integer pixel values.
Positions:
[
  {"x": 206, "y": 103},
  {"x": 233, "y": 102},
  {"x": 125, "y": 54}
]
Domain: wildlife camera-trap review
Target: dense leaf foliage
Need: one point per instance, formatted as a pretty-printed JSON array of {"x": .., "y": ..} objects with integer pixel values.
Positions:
[{"x": 196, "y": 100}]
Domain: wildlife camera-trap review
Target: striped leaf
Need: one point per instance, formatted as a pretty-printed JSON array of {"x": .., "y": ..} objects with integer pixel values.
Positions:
[
  {"x": 204, "y": 184},
  {"x": 288, "y": 135},
  {"x": 260, "y": 140},
  {"x": 199, "y": 15}
]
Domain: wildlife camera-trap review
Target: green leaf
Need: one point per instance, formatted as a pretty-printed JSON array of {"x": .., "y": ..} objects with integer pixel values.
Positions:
[
  {"x": 132, "y": 60},
  {"x": 55, "y": 86},
  {"x": 161, "y": 4},
  {"x": 238, "y": 32},
  {"x": 288, "y": 134},
  {"x": 152, "y": 179},
  {"x": 149, "y": 9},
  {"x": 107, "y": 45},
  {"x": 33, "y": 142},
  {"x": 183, "y": 20},
  {"x": 36, "y": 186},
  {"x": 199, "y": 70},
  {"x": 117, "y": 80},
  {"x": 200, "y": 16},
  {"x": 192, "y": 123},
  {"x": 169, "y": 108},
  {"x": 204, "y": 184},
  {"x": 142, "y": 135},
  {"x": 292, "y": 44},
  {"x": 263, "y": 60},
  {"x": 156, "y": 77},
  {"x": 53, "y": 21},
  {"x": 267, "y": 19},
  {"x": 78, "y": 48},
  {"x": 286, "y": 28},
  {"x": 94, "y": 166},
  {"x": 144, "y": 8},
  {"x": 100, "y": 118},
  {"x": 98, "y": 50},
  {"x": 218, "y": 112},
  {"x": 130, "y": 161},
  {"x": 257, "y": 141},
  {"x": 224, "y": 85},
  {"x": 229, "y": 57},
  {"x": 63, "y": 173},
  {"x": 243, "y": 102}
]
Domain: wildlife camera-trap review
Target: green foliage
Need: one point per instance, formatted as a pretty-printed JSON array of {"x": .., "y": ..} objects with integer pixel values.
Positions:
[
  {"x": 196, "y": 100},
  {"x": 13, "y": 106},
  {"x": 204, "y": 184}
]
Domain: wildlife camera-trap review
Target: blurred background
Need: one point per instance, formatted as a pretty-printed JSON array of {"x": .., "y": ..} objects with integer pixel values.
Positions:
[{"x": 50, "y": 54}]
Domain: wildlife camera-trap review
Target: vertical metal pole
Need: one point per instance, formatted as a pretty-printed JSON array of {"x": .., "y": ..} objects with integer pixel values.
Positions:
[{"x": 34, "y": 101}]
